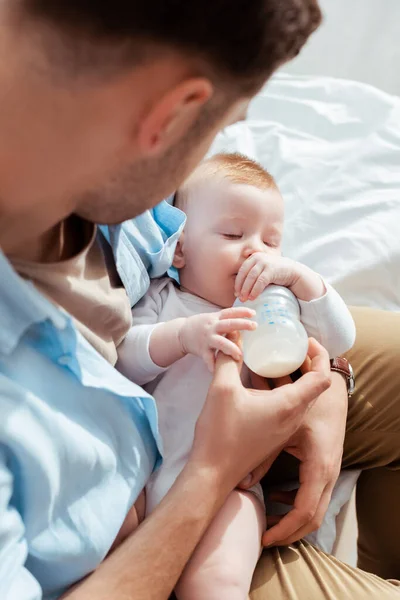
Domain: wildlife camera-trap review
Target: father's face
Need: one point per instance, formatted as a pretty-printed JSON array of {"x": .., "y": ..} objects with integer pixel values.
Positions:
[
  {"x": 65, "y": 135},
  {"x": 74, "y": 133},
  {"x": 142, "y": 183}
]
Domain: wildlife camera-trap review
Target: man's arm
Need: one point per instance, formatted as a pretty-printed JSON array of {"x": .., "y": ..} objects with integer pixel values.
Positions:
[
  {"x": 233, "y": 423},
  {"x": 15, "y": 579},
  {"x": 148, "y": 564}
]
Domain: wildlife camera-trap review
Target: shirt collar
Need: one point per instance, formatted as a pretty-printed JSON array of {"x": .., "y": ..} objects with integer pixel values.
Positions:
[{"x": 21, "y": 306}]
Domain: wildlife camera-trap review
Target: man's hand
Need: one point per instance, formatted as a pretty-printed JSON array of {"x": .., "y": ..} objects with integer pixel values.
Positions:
[
  {"x": 261, "y": 269},
  {"x": 240, "y": 428},
  {"x": 318, "y": 444}
]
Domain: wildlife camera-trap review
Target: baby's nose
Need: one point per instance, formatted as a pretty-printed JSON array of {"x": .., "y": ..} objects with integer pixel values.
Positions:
[{"x": 253, "y": 248}]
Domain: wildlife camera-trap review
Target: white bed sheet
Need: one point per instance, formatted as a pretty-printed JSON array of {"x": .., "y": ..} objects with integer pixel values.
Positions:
[{"x": 334, "y": 148}]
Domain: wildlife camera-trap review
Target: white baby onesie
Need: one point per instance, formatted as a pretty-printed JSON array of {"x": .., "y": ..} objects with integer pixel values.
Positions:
[{"x": 181, "y": 389}]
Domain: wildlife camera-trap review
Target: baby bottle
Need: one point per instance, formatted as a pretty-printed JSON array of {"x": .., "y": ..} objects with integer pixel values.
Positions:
[{"x": 279, "y": 344}]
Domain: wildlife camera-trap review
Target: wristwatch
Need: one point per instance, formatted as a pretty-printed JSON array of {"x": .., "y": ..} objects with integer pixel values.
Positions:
[{"x": 342, "y": 365}]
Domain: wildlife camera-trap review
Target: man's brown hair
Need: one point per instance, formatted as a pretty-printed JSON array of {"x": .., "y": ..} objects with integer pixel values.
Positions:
[{"x": 241, "y": 41}]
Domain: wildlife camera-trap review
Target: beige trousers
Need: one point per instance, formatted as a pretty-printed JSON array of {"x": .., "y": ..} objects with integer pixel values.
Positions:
[{"x": 301, "y": 572}]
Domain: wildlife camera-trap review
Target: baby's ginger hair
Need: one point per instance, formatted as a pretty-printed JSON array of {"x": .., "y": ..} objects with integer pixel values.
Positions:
[{"x": 234, "y": 167}]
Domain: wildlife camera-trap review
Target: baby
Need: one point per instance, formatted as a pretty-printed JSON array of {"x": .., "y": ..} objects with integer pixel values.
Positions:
[{"x": 230, "y": 247}]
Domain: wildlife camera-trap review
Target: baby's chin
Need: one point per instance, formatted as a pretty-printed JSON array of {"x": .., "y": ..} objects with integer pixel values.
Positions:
[
  {"x": 223, "y": 297},
  {"x": 227, "y": 299}
]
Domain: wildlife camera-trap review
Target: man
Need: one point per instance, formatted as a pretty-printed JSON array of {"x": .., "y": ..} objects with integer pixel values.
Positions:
[{"x": 125, "y": 98}]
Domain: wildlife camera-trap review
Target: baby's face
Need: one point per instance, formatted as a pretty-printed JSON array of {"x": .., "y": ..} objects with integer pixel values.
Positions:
[{"x": 227, "y": 223}]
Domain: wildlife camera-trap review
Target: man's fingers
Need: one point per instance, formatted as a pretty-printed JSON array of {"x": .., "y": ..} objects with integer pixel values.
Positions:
[
  {"x": 307, "y": 388},
  {"x": 314, "y": 523},
  {"x": 318, "y": 357},
  {"x": 303, "y": 393},
  {"x": 302, "y": 514},
  {"x": 227, "y": 370}
]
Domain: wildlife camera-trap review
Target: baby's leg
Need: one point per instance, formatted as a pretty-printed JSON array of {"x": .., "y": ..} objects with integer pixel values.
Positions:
[
  {"x": 222, "y": 565},
  {"x": 132, "y": 521}
]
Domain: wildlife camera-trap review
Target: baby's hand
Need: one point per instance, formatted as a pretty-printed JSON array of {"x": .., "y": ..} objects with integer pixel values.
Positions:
[
  {"x": 202, "y": 335},
  {"x": 261, "y": 269}
]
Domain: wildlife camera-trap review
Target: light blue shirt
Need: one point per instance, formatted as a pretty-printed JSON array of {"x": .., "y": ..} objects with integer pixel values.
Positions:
[{"x": 78, "y": 441}]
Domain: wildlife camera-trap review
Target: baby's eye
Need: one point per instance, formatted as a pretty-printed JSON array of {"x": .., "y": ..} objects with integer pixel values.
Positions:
[
  {"x": 232, "y": 236},
  {"x": 270, "y": 244}
]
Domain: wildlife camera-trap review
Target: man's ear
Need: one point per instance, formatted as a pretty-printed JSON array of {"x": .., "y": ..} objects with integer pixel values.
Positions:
[
  {"x": 179, "y": 257},
  {"x": 171, "y": 117}
]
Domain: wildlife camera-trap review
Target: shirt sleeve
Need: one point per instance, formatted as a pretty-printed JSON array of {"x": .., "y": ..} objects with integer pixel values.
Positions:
[
  {"x": 134, "y": 360},
  {"x": 329, "y": 321},
  {"x": 16, "y": 582}
]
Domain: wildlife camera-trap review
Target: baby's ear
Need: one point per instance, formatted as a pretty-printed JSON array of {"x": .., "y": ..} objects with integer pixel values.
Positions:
[{"x": 179, "y": 258}]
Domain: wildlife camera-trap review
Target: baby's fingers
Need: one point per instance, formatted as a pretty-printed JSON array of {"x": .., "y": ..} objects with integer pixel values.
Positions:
[
  {"x": 256, "y": 274},
  {"x": 236, "y": 312},
  {"x": 223, "y": 344},
  {"x": 242, "y": 274},
  {"x": 260, "y": 283},
  {"x": 231, "y": 325}
]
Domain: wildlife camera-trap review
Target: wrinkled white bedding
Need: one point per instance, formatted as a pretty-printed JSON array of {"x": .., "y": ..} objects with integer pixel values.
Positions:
[{"x": 334, "y": 148}]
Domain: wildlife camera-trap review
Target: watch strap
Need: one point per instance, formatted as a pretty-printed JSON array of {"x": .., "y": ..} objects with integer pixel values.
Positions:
[{"x": 342, "y": 365}]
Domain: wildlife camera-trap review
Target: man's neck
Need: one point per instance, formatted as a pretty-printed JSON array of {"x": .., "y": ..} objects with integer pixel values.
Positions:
[
  {"x": 41, "y": 249},
  {"x": 60, "y": 242}
]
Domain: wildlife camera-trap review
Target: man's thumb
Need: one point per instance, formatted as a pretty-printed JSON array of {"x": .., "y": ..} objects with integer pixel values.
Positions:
[{"x": 305, "y": 391}]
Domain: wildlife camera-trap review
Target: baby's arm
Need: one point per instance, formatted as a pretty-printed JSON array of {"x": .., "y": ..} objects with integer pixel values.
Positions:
[
  {"x": 328, "y": 320},
  {"x": 261, "y": 269},
  {"x": 152, "y": 346},
  {"x": 134, "y": 360}
]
